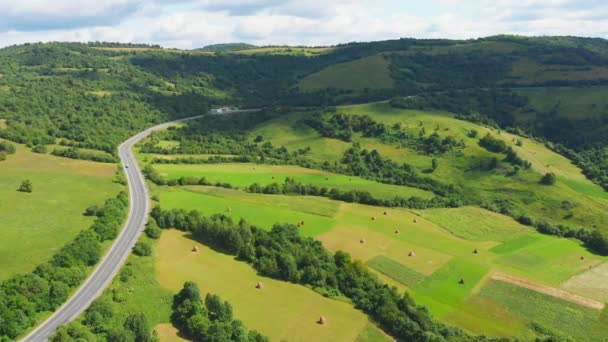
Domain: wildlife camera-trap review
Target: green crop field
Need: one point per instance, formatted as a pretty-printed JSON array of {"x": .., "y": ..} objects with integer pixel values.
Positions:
[
  {"x": 581, "y": 323},
  {"x": 35, "y": 225}
]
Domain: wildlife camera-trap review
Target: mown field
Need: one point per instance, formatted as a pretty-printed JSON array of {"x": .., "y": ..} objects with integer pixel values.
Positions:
[
  {"x": 280, "y": 310},
  {"x": 449, "y": 260},
  {"x": 35, "y": 225}
]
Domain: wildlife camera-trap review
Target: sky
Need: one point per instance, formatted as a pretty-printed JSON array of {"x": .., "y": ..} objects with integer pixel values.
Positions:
[{"x": 190, "y": 24}]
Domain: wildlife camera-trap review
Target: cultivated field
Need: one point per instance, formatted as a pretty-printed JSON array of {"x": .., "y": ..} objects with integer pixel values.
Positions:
[{"x": 35, "y": 225}]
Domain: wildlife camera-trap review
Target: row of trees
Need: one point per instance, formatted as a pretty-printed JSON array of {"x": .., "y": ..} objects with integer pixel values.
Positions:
[
  {"x": 283, "y": 254},
  {"x": 210, "y": 319},
  {"x": 75, "y": 153},
  {"x": 23, "y": 297},
  {"x": 293, "y": 187}
]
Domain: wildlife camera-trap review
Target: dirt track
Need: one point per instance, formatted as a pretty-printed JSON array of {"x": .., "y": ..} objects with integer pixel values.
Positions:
[{"x": 551, "y": 291}]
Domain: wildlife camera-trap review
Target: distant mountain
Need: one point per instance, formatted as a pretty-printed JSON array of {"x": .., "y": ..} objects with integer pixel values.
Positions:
[{"x": 227, "y": 47}]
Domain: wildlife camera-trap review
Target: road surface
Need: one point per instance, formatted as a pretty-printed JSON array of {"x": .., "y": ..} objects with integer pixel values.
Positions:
[{"x": 120, "y": 250}]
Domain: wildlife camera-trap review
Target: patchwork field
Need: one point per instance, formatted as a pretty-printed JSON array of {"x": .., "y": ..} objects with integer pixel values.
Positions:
[
  {"x": 428, "y": 252},
  {"x": 35, "y": 225},
  {"x": 280, "y": 310}
]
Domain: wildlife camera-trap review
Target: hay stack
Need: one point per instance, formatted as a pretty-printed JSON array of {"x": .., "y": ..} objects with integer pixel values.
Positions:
[
  {"x": 385, "y": 213},
  {"x": 302, "y": 223},
  {"x": 411, "y": 254},
  {"x": 461, "y": 282},
  {"x": 229, "y": 209},
  {"x": 582, "y": 258},
  {"x": 195, "y": 249},
  {"x": 397, "y": 231},
  {"x": 373, "y": 218},
  {"x": 475, "y": 251},
  {"x": 362, "y": 240},
  {"x": 322, "y": 320},
  {"x": 259, "y": 285},
  {"x": 415, "y": 221}
]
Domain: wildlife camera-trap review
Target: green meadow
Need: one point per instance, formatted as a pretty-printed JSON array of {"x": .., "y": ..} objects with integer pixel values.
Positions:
[{"x": 36, "y": 225}]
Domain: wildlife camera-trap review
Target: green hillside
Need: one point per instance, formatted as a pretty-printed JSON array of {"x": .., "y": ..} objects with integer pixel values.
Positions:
[{"x": 469, "y": 176}]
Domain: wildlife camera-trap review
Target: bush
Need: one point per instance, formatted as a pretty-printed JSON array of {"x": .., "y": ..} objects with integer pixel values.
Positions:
[
  {"x": 39, "y": 149},
  {"x": 492, "y": 144},
  {"x": 548, "y": 179},
  {"x": 142, "y": 249},
  {"x": 153, "y": 231},
  {"x": 26, "y": 186}
]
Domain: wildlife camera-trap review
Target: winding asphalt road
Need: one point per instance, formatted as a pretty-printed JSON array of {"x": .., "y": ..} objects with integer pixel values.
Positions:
[{"x": 120, "y": 250}]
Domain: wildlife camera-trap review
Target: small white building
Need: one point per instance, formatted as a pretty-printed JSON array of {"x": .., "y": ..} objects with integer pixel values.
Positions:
[{"x": 221, "y": 110}]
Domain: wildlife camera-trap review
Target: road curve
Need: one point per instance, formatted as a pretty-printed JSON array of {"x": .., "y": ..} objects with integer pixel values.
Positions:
[{"x": 120, "y": 250}]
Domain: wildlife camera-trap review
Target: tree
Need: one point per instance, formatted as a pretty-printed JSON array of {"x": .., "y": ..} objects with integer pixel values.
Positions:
[
  {"x": 548, "y": 179},
  {"x": 26, "y": 186},
  {"x": 434, "y": 164},
  {"x": 138, "y": 324},
  {"x": 153, "y": 231}
]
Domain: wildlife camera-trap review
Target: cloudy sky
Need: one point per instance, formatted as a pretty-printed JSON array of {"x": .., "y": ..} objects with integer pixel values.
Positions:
[{"x": 195, "y": 23}]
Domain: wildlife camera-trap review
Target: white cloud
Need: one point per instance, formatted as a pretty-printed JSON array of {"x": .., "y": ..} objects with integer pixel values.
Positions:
[{"x": 193, "y": 23}]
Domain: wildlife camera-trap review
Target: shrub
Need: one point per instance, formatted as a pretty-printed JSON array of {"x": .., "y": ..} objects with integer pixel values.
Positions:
[
  {"x": 26, "y": 186},
  {"x": 142, "y": 249},
  {"x": 548, "y": 179}
]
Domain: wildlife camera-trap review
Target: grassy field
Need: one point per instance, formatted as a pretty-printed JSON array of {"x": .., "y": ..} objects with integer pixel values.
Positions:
[
  {"x": 281, "y": 310},
  {"x": 35, "y": 225},
  {"x": 243, "y": 175},
  {"x": 366, "y": 73},
  {"x": 446, "y": 258}
]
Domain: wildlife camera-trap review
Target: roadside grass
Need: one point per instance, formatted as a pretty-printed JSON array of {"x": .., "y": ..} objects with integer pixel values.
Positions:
[
  {"x": 365, "y": 73},
  {"x": 244, "y": 175},
  {"x": 281, "y": 310},
  {"x": 579, "y": 322},
  {"x": 396, "y": 271},
  {"x": 36, "y": 225}
]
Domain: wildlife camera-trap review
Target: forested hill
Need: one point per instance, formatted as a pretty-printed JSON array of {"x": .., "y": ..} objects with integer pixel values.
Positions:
[{"x": 96, "y": 94}]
